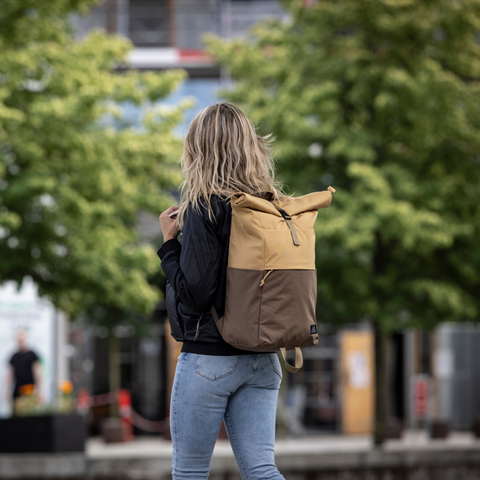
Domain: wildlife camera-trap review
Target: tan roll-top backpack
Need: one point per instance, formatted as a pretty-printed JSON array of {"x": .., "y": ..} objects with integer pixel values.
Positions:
[{"x": 271, "y": 277}]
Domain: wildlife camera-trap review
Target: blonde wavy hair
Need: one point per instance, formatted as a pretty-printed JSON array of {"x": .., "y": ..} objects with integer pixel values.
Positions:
[{"x": 223, "y": 155}]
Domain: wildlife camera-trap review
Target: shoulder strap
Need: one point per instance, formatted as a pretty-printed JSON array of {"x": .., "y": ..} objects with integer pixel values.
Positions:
[
  {"x": 214, "y": 313},
  {"x": 198, "y": 328}
]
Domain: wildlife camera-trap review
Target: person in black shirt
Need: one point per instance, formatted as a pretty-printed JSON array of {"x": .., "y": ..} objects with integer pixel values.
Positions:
[{"x": 24, "y": 369}]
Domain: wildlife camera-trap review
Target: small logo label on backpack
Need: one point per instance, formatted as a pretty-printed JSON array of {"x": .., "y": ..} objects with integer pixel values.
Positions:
[{"x": 313, "y": 329}]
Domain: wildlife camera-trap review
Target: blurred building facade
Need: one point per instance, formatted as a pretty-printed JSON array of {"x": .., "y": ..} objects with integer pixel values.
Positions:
[
  {"x": 168, "y": 34},
  {"x": 450, "y": 358}
]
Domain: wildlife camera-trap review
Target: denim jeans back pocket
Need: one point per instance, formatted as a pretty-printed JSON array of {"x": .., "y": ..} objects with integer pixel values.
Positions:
[
  {"x": 276, "y": 364},
  {"x": 214, "y": 367}
]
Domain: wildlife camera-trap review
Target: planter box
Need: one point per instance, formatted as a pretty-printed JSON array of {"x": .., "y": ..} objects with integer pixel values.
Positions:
[
  {"x": 440, "y": 429},
  {"x": 42, "y": 434},
  {"x": 476, "y": 428},
  {"x": 393, "y": 430},
  {"x": 114, "y": 430}
]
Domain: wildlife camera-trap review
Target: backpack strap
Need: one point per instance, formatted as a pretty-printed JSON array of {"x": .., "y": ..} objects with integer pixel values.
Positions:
[
  {"x": 198, "y": 328},
  {"x": 290, "y": 224},
  {"x": 214, "y": 313},
  {"x": 298, "y": 360}
]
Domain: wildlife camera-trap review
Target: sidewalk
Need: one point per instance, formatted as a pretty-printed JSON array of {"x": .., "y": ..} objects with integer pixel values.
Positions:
[
  {"x": 412, "y": 440},
  {"x": 332, "y": 457}
]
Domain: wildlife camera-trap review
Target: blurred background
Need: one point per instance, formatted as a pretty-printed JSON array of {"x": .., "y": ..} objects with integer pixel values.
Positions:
[{"x": 379, "y": 99}]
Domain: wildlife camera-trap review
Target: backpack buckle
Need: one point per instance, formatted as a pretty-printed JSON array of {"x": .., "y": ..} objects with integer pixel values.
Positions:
[
  {"x": 283, "y": 213},
  {"x": 288, "y": 219}
]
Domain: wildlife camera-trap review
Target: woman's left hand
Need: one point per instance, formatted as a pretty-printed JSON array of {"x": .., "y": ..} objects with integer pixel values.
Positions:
[{"x": 169, "y": 224}]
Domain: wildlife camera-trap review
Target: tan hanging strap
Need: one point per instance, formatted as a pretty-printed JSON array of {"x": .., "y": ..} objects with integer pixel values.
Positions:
[
  {"x": 198, "y": 327},
  {"x": 298, "y": 360},
  {"x": 290, "y": 224},
  {"x": 214, "y": 314}
]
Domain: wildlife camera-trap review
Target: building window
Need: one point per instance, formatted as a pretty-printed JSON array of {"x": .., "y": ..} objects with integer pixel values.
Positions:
[{"x": 149, "y": 23}]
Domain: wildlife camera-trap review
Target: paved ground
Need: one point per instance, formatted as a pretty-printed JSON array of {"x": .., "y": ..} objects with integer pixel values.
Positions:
[
  {"x": 415, "y": 457},
  {"x": 412, "y": 440}
]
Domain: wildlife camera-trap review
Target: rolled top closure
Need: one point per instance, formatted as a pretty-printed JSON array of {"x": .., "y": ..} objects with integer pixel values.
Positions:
[{"x": 293, "y": 206}]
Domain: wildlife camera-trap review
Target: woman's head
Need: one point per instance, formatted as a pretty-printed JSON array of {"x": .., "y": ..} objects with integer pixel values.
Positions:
[{"x": 223, "y": 155}]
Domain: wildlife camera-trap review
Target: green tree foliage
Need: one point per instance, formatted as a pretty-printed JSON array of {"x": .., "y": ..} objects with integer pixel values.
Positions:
[
  {"x": 381, "y": 99},
  {"x": 73, "y": 174}
]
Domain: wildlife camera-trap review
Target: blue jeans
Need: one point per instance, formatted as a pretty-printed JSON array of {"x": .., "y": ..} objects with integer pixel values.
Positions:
[{"x": 241, "y": 389}]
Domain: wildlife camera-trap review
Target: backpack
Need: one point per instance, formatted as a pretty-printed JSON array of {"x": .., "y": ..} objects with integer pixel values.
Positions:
[{"x": 271, "y": 290}]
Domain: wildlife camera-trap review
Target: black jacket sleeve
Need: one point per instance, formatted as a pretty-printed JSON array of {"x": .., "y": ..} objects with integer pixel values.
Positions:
[{"x": 192, "y": 268}]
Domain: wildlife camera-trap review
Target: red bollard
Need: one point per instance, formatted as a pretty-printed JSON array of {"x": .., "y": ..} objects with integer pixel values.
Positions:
[
  {"x": 125, "y": 411},
  {"x": 83, "y": 400}
]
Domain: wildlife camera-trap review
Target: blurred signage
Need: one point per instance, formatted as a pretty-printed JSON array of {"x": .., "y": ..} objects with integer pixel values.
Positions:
[
  {"x": 421, "y": 395},
  {"x": 22, "y": 308},
  {"x": 356, "y": 350},
  {"x": 358, "y": 370},
  {"x": 148, "y": 57},
  {"x": 444, "y": 363}
]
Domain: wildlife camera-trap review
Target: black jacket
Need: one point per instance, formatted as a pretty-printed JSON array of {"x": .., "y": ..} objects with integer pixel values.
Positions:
[{"x": 196, "y": 273}]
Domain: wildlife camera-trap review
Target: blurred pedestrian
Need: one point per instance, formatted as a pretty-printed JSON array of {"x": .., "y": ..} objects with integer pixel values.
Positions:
[
  {"x": 24, "y": 371},
  {"x": 215, "y": 381}
]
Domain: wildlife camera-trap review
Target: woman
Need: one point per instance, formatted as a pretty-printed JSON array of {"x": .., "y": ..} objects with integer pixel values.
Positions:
[{"x": 222, "y": 155}]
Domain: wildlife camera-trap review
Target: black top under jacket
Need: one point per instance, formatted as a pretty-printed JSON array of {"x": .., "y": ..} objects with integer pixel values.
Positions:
[
  {"x": 22, "y": 363},
  {"x": 196, "y": 272}
]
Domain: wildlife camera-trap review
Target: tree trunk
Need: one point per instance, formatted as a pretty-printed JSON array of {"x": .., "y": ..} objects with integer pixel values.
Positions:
[
  {"x": 113, "y": 370},
  {"x": 381, "y": 386}
]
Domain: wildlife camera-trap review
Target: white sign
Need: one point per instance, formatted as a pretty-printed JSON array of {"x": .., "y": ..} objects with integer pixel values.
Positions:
[
  {"x": 24, "y": 309},
  {"x": 444, "y": 363},
  {"x": 358, "y": 371}
]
